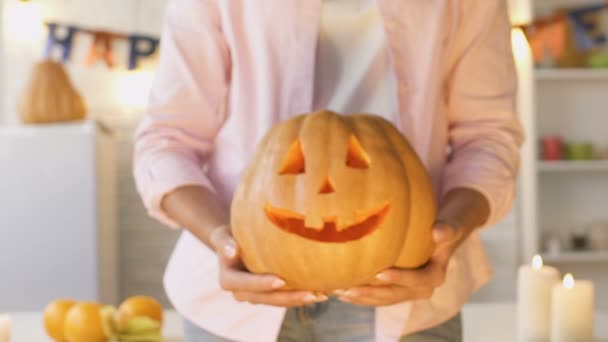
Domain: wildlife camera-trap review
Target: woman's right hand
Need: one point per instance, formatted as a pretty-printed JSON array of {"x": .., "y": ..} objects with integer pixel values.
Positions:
[{"x": 249, "y": 287}]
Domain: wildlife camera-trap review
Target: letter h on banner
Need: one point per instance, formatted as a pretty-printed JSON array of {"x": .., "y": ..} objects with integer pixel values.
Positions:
[{"x": 64, "y": 42}]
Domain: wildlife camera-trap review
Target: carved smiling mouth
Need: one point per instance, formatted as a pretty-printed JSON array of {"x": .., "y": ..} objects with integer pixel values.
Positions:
[{"x": 293, "y": 222}]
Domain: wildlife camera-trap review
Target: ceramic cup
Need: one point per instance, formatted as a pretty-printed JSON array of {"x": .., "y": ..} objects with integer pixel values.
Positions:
[{"x": 552, "y": 147}]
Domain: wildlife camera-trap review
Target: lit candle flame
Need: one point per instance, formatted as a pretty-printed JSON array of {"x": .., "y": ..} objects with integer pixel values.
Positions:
[
  {"x": 568, "y": 281},
  {"x": 537, "y": 262}
]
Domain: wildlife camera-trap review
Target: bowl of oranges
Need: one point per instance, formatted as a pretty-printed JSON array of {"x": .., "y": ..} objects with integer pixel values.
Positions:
[{"x": 138, "y": 318}]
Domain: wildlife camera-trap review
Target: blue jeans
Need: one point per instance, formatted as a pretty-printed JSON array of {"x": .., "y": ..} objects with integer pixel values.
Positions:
[{"x": 335, "y": 321}]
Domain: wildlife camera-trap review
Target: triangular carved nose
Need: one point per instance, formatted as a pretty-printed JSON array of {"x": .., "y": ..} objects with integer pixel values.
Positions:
[{"x": 327, "y": 187}]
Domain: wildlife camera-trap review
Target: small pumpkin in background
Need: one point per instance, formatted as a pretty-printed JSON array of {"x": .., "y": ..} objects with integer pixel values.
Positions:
[
  {"x": 330, "y": 200},
  {"x": 50, "y": 96}
]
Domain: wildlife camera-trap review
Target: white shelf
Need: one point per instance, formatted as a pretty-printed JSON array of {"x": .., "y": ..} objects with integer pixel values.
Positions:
[
  {"x": 571, "y": 74},
  {"x": 576, "y": 257},
  {"x": 573, "y": 166}
]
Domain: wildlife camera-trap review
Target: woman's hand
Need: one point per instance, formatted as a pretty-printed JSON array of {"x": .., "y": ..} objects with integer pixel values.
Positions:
[
  {"x": 404, "y": 285},
  {"x": 197, "y": 210},
  {"x": 249, "y": 287},
  {"x": 462, "y": 211}
]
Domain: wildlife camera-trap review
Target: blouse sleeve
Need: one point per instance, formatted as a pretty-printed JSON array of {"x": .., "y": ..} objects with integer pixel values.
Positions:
[
  {"x": 185, "y": 112},
  {"x": 484, "y": 131}
]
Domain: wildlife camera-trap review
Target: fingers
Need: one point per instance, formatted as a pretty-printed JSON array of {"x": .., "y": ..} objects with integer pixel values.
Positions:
[
  {"x": 376, "y": 295},
  {"x": 432, "y": 275},
  {"x": 279, "y": 298},
  {"x": 222, "y": 242},
  {"x": 249, "y": 287},
  {"x": 445, "y": 234},
  {"x": 384, "y": 295},
  {"x": 364, "y": 301},
  {"x": 232, "y": 279},
  {"x": 403, "y": 285},
  {"x": 262, "y": 289}
]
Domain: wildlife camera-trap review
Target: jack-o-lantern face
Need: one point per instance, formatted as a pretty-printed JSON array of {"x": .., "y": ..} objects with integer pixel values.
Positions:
[
  {"x": 330, "y": 200},
  {"x": 331, "y": 230}
]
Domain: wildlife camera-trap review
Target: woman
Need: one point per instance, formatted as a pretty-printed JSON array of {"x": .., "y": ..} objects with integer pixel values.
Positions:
[{"x": 441, "y": 71}]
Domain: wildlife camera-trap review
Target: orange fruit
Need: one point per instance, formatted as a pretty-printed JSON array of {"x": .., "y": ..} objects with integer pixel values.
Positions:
[
  {"x": 83, "y": 323},
  {"x": 139, "y": 306},
  {"x": 54, "y": 317}
]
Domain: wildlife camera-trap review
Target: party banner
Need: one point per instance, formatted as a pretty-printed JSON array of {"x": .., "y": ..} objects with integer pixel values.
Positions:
[
  {"x": 588, "y": 28},
  {"x": 62, "y": 37}
]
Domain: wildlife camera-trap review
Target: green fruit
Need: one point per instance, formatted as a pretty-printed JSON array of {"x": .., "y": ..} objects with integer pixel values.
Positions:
[
  {"x": 108, "y": 321},
  {"x": 141, "y": 325}
]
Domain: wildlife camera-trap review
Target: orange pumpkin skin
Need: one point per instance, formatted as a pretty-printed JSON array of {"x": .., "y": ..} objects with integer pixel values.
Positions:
[{"x": 330, "y": 200}]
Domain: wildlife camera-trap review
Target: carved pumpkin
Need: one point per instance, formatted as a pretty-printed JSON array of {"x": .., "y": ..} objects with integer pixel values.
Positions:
[
  {"x": 331, "y": 200},
  {"x": 50, "y": 96}
]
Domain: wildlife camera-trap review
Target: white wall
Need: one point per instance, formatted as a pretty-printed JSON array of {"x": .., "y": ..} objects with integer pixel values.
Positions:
[{"x": 144, "y": 244}]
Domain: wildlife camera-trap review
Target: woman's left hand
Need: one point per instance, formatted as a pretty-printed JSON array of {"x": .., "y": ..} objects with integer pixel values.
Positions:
[{"x": 401, "y": 285}]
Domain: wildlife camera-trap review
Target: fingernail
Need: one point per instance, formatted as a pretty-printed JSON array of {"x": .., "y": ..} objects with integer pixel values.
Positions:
[
  {"x": 345, "y": 299},
  {"x": 230, "y": 249},
  {"x": 383, "y": 277},
  {"x": 278, "y": 283},
  {"x": 311, "y": 298},
  {"x": 351, "y": 293},
  {"x": 439, "y": 235},
  {"x": 321, "y": 298}
]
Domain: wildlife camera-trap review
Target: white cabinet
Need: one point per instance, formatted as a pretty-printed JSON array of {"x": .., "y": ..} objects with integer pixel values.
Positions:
[
  {"x": 572, "y": 195},
  {"x": 559, "y": 197},
  {"x": 58, "y": 234}
]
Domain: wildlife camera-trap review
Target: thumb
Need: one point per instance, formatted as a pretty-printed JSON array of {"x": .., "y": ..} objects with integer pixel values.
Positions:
[
  {"x": 445, "y": 233},
  {"x": 222, "y": 242}
]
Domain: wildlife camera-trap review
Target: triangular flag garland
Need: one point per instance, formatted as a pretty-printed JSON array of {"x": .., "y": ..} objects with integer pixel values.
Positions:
[
  {"x": 101, "y": 49},
  {"x": 141, "y": 47},
  {"x": 548, "y": 35},
  {"x": 587, "y": 28},
  {"x": 62, "y": 37},
  {"x": 65, "y": 42}
]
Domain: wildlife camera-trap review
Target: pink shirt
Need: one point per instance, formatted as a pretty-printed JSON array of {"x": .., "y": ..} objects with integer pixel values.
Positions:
[{"x": 229, "y": 70}]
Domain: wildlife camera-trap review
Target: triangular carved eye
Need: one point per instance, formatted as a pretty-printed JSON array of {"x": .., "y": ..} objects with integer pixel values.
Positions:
[
  {"x": 356, "y": 156},
  {"x": 293, "y": 162}
]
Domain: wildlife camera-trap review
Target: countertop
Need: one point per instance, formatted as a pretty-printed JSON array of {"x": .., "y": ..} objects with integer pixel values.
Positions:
[{"x": 494, "y": 322}]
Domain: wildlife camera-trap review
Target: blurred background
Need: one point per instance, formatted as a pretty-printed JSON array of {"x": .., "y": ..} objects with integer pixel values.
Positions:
[{"x": 72, "y": 224}]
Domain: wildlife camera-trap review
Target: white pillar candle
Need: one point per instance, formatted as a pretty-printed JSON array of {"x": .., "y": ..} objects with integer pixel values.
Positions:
[
  {"x": 572, "y": 316},
  {"x": 5, "y": 328},
  {"x": 534, "y": 285},
  {"x": 526, "y": 109}
]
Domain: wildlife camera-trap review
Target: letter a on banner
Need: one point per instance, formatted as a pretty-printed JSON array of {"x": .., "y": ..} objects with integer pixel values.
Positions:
[{"x": 101, "y": 48}]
